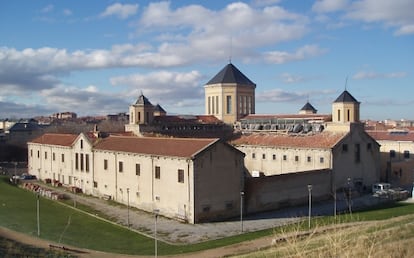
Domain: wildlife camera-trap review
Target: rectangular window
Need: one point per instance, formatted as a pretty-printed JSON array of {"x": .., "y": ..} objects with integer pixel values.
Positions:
[
  {"x": 406, "y": 154},
  {"x": 212, "y": 105},
  {"x": 253, "y": 155},
  {"x": 45, "y": 155},
  {"x": 95, "y": 184},
  {"x": 63, "y": 157},
  {"x": 81, "y": 162},
  {"x": 209, "y": 105},
  {"x": 357, "y": 153},
  {"x": 81, "y": 144},
  {"x": 344, "y": 147},
  {"x": 309, "y": 158},
  {"x": 157, "y": 172},
  {"x": 87, "y": 162},
  {"x": 138, "y": 169},
  {"x": 228, "y": 107},
  {"x": 31, "y": 153},
  {"x": 105, "y": 164},
  {"x": 53, "y": 156},
  {"x": 321, "y": 160},
  {"x": 217, "y": 105},
  {"x": 77, "y": 161},
  {"x": 121, "y": 166},
  {"x": 284, "y": 157},
  {"x": 392, "y": 153},
  {"x": 274, "y": 157},
  {"x": 369, "y": 146},
  {"x": 263, "y": 156},
  {"x": 240, "y": 105},
  {"x": 38, "y": 154},
  {"x": 181, "y": 176},
  {"x": 296, "y": 158}
]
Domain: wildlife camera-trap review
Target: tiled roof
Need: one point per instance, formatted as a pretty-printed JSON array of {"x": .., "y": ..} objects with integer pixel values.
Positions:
[
  {"x": 185, "y": 119},
  {"x": 56, "y": 139},
  {"x": 392, "y": 136},
  {"x": 321, "y": 140},
  {"x": 175, "y": 147},
  {"x": 230, "y": 74},
  {"x": 290, "y": 116},
  {"x": 346, "y": 97}
]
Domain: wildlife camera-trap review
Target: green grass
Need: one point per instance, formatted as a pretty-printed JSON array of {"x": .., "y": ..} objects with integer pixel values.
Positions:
[{"x": 71, "y": 227}]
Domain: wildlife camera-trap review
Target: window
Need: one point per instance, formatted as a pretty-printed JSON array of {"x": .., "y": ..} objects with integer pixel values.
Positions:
[
  {"x": 309, "y": 158},
  {"x": 217, "y": 105},
  {"x": 181, "y": 176},
  {"x": 38, "y": 154},
  {"x": 253, "y": 155},
  {"x": 369, "y": 146},
  {"x": 63, "y": 157},
  {"x": 284, "y": 157},
  {"x": 357, "y": 153},
  {"x": 157, "y": 172},
  {"x": 77, "y": 161},
  {"x": 87, "y": 162},
  {"x": 31, "y": 153},
  {"x": 81, "y": 162},
  {"x": 321, "y": 160},
  {"x": 95, "y": 184},
  {"x": 53, "y": 156},
  {"x": 392, "y": 153},
  {"x": 344, "y": 147},
  {"x": 138, "y": 169},
  {"x": 45, "y": 155},
  {"x": 81, "y": 144},
  {"x": 406, "y": 154},
  {"x": 263, "y": 156},
  {"x": 274, "y": 156},
  {"x": 121, "y": 166},
  {"x": 105, "y": 164},
  {"x": 228, "y": 107},
  {"x": 348, "y": 116},
  {"x": 296, "y": 158},
  {"x": 209, "y": 105},
  {"x": 339, "y": 115}
]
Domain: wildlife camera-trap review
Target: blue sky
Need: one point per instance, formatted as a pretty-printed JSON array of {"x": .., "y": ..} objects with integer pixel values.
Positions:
[{"x": 95, "y": 57}]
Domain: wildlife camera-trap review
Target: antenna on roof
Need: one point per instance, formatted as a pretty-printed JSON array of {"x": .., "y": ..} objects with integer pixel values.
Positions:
[{"x": 346, "y": 82}]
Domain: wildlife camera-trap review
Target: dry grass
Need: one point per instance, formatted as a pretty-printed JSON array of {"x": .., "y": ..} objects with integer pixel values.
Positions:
[{"x": 386, "y": 238}]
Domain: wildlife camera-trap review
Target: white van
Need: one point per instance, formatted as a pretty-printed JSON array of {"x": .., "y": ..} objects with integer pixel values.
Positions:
[{"x": 380, "y": 187}]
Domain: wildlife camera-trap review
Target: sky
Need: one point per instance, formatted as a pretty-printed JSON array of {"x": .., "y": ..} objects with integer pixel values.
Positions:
[{"x": 96, "y": 57}]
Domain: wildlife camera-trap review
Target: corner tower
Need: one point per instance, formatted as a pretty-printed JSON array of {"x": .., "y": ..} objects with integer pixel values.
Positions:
[
  {"x": 345, "y": 109},
  {"x": 229, "y": 95}
]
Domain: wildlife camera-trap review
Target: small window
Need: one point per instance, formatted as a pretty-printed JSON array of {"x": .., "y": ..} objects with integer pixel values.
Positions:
[
  {"x": 157, "y": 172},
  {"x": 53, "y": 156},
  {"x": 63, "y": 157},
  {"x": 253, "y": 155},
  {"x": 406, "y": 154},
  {"x": 357, "y": 153},
  {"x": 321, "y": 160},
  {"x": 38, "y": 154},
  {"x": 263, "y": 156},
  {"x": 121, "y": 166},
  {"x": 181, "y": 176},
  {"x": 296, "y": 158},
  {"x": 81, "y": 144},
  {"x": 392, "y": 153},
  {"x": 274, "y": 156},
  {"x": 105, "y": 164},
  {"x": 87, "y": 162},
  {"x": 95, "y": 184},
  {"x": 309, "y": 159},
  {"x": 77, "y": 161},
  {"x": 284, "y": 157},
  {"x": 45, "y": 155},
  {"x": 369, "y": 146},
  {"x": 344, "y": 147},
  {"x": 138, "y": 169},
  {"x": 31, "y": 153},
  {"x": 81, "y": 162}
]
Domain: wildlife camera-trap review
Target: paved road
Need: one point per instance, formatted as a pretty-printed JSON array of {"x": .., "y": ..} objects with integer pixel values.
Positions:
[{"x": 176, "y": 232}]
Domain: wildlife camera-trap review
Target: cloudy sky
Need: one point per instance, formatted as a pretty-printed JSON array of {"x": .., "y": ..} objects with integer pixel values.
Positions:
[{"x": 95, "y": 57}]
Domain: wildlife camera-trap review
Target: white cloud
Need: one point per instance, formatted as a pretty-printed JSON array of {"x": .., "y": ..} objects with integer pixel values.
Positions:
[
  {"x": 327, "y": 6},
  {"x": 279, "y": 57},
  {"x": 47, "y": 8},
  {"x": 396, "y": 13},
  {"x": 122, "y": 11},
  {"x": 363, "y": 75},
  {"x": 67, "y": 12}
]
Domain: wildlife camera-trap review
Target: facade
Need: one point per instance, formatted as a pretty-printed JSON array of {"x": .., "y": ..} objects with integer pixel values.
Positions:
[
  {"x": 229, "y": 95},
  {"x": 172, "y": 175}
]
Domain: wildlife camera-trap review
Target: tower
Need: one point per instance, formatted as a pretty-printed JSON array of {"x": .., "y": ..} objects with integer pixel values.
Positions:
[
  {"x": 229, "y": 95},
  {"x": 307, "y": 109},
  {"x": 141, "y": 112},
  {"x": 345, "y": 109}
]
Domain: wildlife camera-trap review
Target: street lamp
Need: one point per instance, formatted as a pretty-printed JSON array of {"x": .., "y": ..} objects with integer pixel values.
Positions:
[
  {"x": 349, "y": 196},
  {"x": 128, "y": 205},
  {"x": 310, "y": 205},
  {"x": 241, "y": 210},
  {"x": 38, "y": 214},
  {"x": 156, "y": 211}
]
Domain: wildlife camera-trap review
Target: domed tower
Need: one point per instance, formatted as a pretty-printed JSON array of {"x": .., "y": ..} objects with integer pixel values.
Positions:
[
  {"x": 141, "y": 112},
  {"x": 345, "y": 109},
  {"x": 230, "y": 95}
]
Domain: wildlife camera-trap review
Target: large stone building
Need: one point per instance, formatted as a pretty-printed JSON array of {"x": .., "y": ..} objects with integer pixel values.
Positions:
[{"x": 174, "y": 176}]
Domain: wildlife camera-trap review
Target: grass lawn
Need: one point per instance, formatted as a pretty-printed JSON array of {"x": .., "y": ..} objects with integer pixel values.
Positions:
[{"x": 65, "y": 225}]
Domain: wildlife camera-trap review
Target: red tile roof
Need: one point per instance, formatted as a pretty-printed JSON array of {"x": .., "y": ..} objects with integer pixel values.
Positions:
[
  {"x": 176, "y": 147},
  {"x": 56, "y": 139},
  {"x": 392, "y": 136},
  {"x": 321, "y": 140},
  {"x": 197, "y": 119},
  {"x": 290, "y": 116}
]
